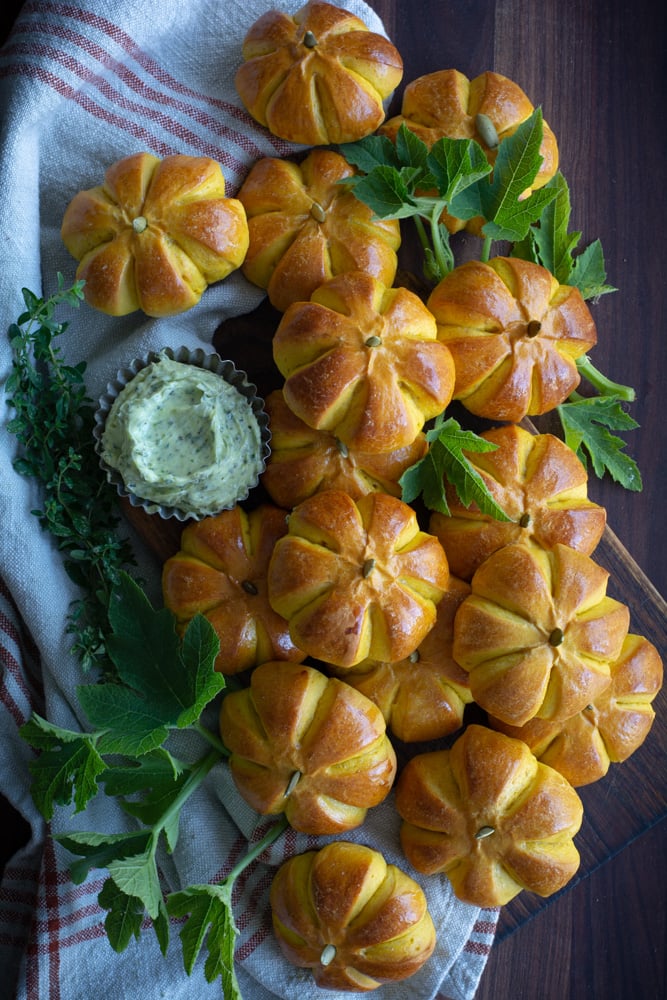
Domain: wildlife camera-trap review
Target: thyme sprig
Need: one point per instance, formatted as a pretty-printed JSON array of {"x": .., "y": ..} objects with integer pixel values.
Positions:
[{"x": 53, "y": 423}]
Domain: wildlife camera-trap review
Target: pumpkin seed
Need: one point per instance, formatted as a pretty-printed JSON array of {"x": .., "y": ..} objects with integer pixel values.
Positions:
[
  {"x": 486, "y": 130},
  {"x": 524, "y": 520},
  {"x": 556, "y": 637},
  {"x": 368, "y": 567},
  {"x": 291, "y": 785},
  {"x": 309, "y": 40},
  {"x": 373, "y": 341},
  {"x": 328, "y": 954},
  {"x": 533, "y": 328},
  {"x": 317, "y": 212},
  {"x": 483, "y": 832}
]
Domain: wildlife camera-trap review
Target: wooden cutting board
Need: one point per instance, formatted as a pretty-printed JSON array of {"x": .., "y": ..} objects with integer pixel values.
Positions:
[{"x": 632, "y": 797}]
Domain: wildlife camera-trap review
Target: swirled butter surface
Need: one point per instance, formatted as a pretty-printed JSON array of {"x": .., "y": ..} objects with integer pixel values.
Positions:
[{"x": 182, "y": 436}]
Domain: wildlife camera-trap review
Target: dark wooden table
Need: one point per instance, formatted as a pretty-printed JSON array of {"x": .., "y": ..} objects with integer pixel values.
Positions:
[
  {"x": 597, "y": 68},
  {"x": 598, "y": 71}
]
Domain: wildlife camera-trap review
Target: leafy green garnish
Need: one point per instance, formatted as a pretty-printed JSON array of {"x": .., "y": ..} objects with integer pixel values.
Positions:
[
  {"x": 507, "y": 213},
  {"x": 67, "y": 769},
  {"x": 211, "y": 918},
  {"x": 549, "y": 243},
  {"x": 406, "y": 179},
  {"x": 446, "y": 462},
  {"x": 587, "y": 423},
  {"x": 134, "y": 717},
  {"x": 163, "y": 685},
  {"x": 53, "y": 421}
]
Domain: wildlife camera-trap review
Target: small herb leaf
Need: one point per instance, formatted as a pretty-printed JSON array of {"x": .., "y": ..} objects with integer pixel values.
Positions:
[
  {"x": 587, "y": 423},
  {"x": 509, "y": 213},
  {"x": 210, "y": 918},
  {"x": 446, "y": 461},
  {"x": 98, "y": 850},
  {"x": 67, "y": 769},
  {"x": 125, "y": 916}
]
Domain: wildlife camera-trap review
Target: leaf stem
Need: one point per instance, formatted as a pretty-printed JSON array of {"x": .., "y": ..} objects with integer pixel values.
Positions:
[
  {"x": 421, "y": 232},
  {"x": 443, "y": 253},
  {"x": 269, "y": 838},
  {"x": 211, "y": 738},
  {"x": 604, "y": 385},
  {"x": 486, "y": 249},
  {"x": 194, "y": 780}
]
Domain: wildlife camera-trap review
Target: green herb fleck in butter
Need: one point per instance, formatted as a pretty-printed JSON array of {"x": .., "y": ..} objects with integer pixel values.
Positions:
[{"x": 182, "y": 436}]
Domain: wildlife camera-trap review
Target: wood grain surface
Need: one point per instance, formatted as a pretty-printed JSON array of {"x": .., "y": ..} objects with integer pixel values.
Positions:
[{"x": 597, "y": 68}]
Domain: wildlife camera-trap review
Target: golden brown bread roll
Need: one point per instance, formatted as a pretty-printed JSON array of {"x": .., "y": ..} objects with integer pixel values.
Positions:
[
  {"x": 363, "y": 361},
  {"x": 538, "y": 633},
  {"x": 155, "y": 234},
  {"x": 447, "y": 103},
  {"x": 491, "y": 817},
  {"x": 304, "y": 461},
  {"x": 353, "y": 919},
  {"x": 515, "y": 334},
  {"x": 423, "y": 696},
  {"x": 319, "y": 76},
  {"x": 357, "y": 580},
  {"x": 540, "y": 484},
  {"x": 220, "y": 572},
  {"x": 305, "y": 227},
  {"x": 606, "y": 731},
  {"x": 307, "y": 745}
]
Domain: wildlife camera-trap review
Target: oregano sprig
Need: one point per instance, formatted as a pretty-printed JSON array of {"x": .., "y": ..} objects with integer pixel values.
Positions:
[{"x": 53, "y": 423}]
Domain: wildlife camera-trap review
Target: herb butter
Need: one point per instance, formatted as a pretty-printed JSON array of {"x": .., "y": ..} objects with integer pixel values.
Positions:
[{"x": 183, "y": 436}]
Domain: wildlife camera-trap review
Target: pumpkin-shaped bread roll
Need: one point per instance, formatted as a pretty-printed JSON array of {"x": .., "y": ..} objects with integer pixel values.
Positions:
[
  {"x": 220, "y": 572},
  {"x": 353, "y": 919},
  {"x": 515, "y": 334},
  {"x": 304, "y": 461},
  {"x": 357, "y": 580},
  {"x": 423, "y": 696},
  {"x": 606, "y": 731},
  {"x": 363, "y": 361},
  {"x": 491, "y": 817},
  {"x": 307, "y": 745},
  {"x": 318, "y": 76},
  {"x": 154, "y": 234},
  {"x": 488, "y": 109},
  {"x": 540, "y": 484},
  {"x": 305, "y": 227},
  {"x": 538, "y": 633}
]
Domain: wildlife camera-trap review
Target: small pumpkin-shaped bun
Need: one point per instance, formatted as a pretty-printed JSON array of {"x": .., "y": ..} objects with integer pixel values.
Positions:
[
  {"x": 305, "y": 227},
  {"x": 488, "y": 109},
  {"x": 318, "y": 76},
  {"x": 423, "y": 696},
  {"x": 610, "y": 729},
  {"x": 307, "y": 745},
  {"x": 357, "y": 580},
  {"x": 220, "y": 572},
  {"x": 540, "y": 484},
  {"x": 304, "y": 461},
  {"x": 363, "y": 362},
  {"x": 491, "y": 817},
  {"x": 538, "y": 633},
  {"x": 515, "y": 334},
  {"x": 155, "y": 234},
  {"x": 353, "y": 919}
]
